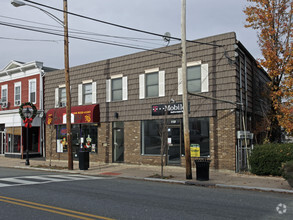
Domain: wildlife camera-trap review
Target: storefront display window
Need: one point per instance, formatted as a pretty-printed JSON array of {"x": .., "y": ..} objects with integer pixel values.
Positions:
[
  {"x": 13, "y": 145},
  {"x": 84, "y": 136},
  {"x": 199, "y": 134},
  {"x": 61, "y": 138},
  {"x": 151, "y": 140}
]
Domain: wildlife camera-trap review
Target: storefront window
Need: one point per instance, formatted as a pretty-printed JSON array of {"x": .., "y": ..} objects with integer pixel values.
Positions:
[
  {"x": 89, "y": 133},
  {"x": 61, "y": 137},
  {"x": 199, "y": 134},
  {"x": 13, "y": 143},
  {"x": 151, "y": 140},
  {"x": 83, "y": 136}
]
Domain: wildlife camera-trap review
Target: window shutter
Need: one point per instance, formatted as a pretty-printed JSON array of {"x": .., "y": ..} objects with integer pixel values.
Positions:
[
  {"x": 79, "y": 94},
  {"x": 94, "y": 92},
  {"x": 204, "y": 78},
  {"x": 141, "y": 86},
  {"x": 124, "y": 88},
  {"x": 161, "y": 83},
  {"x": 108, "y": 90},
  {"x": 56, "y": 97},
  {"x": 180, "y": 86}
]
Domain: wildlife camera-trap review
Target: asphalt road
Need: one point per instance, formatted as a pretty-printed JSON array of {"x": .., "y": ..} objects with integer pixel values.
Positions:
[{"x": 26, "y": 194}]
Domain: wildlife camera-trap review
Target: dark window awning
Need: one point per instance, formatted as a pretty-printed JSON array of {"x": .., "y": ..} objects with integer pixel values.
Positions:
[{"x": 79, "y": 114}]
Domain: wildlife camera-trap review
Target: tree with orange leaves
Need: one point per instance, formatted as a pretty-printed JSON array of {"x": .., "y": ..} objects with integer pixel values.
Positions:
[{"x": 273, "y": 19}]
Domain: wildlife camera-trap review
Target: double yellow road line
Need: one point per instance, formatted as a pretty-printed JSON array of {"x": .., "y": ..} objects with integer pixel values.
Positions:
[{"x": 52, "y": 209}]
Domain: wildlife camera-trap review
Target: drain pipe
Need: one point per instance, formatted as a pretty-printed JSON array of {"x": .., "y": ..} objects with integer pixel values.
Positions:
[{"x": 42, "y": 75}]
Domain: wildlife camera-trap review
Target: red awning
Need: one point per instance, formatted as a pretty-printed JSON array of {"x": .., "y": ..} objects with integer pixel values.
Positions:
[{"x": 79, "y": 114}]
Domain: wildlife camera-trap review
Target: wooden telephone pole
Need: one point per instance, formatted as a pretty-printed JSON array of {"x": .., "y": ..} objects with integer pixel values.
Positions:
[
  {"x": 185, "y": 95},
  {"x": 67, "y": 84}
]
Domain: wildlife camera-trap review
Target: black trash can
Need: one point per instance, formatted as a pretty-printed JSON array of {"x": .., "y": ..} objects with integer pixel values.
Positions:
[
  {"x": 84, "y": 160},
  {"x": 202, "y": 169}
]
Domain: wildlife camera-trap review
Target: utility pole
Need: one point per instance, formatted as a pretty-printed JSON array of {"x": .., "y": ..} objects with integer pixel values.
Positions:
[
  {"x": 184, "y": 96},
  {"x": 67, "y": 84}
]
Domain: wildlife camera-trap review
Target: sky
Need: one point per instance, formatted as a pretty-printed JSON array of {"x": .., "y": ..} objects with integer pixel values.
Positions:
[{"x": 204, "y": 18}]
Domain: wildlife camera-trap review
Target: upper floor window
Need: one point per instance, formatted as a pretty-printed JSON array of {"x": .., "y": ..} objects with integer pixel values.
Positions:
[
  {"x": 17, "y": 93},
  {"x": 152, "y": 84},
  {"x": 197, "y": 78},
  {"x": 60, "y": 96},
  {"x": 116, "y": 88},
  {"x": 4, "y": 93},
  {"x": 32, "y": 91},
  {"x": 193, "y": 78},
  {"x": 87, "y": 92}
]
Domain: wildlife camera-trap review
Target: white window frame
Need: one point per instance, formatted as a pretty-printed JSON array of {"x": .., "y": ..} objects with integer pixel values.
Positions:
[
  {"x": 30, "y": 90},
  {"x": 161, "y": 83},
  {"x": 17, "y": 84},
  {"x": 204, "y": 76},
  {"x": 124, "y": 91},
  {"x": 58, "y": 96},
  {"x": 81, "y": 92},
  {"x": 4, "y": 87}
]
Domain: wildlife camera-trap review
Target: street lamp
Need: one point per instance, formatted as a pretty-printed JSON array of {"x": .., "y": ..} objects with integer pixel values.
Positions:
[
  {"x": 64, "y": 24},
  {"x": 17, "y": 3},
  {"x": 27, "y": 114}
]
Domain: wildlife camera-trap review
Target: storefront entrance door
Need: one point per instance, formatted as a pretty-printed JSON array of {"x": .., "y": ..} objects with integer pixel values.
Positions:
[
  {"x": 174, "y": 145},
  {"x": 2, "y": 142},
  {"x": 118, "y": 142}
]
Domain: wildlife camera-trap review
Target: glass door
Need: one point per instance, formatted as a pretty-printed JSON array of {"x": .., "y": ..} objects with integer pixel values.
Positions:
[
  {"x": 118, "y": 142},
  {"x": 174, "y": 145},
  {"x": 2, "y": 142}
]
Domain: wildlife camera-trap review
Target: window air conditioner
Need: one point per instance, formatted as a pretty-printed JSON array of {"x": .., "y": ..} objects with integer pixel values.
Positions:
[{"x": 4, "y": 104}]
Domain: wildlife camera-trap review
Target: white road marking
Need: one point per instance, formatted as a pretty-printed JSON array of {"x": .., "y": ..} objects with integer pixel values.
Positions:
[{"x": 42, "y": 179}]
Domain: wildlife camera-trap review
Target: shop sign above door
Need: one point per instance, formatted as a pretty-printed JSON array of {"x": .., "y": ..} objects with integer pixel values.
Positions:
[{"x": 171, "y": 109}]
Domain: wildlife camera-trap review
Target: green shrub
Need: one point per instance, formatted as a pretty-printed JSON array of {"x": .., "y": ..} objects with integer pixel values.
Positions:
[
  {"x": 267, "y": 159},
  {"x": 287, "y": 172}
]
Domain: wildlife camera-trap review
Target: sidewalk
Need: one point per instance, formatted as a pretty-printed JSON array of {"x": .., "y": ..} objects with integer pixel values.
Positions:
[{"x": 225, "y": 179}]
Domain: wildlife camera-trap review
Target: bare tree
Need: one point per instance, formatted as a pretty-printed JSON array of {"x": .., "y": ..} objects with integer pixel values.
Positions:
[
  {"x": 51, "y": 130},
  {"x": 163, "y": 132}
]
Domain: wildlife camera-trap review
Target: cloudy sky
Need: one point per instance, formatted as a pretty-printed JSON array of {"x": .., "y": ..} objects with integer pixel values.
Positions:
[{"x": 204, "y": 18}]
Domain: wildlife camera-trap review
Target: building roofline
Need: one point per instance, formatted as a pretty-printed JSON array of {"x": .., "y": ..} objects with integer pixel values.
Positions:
[{"x": 243, "y": 48}]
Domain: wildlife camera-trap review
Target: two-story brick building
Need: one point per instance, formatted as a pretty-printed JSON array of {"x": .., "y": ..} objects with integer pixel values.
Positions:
[
  {"x": 19, "y": 83},
  {"x": 118, "y": 105}
]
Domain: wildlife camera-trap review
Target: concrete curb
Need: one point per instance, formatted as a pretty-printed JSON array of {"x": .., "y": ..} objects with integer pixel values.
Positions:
[
  {"x": 165, "y": 180},
  {"x": 255, "y": 188},
  {"x": 183, "y": 182}
]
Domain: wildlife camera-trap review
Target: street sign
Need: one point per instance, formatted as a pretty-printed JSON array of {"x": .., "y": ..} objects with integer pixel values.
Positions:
[{"x": 244, "y": 134}]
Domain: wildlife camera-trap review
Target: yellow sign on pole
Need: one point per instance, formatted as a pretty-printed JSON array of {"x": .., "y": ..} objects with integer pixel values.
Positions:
[{"x": 195, "y": 150}]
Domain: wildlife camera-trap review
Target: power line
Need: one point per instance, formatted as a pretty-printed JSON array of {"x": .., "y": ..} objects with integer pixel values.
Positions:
[
  {"x": 72, "y": 36},
  {"x": 84, "y": 39},
  {"x": 26, "y": 39},
  {"x": 120, "y": 26},
  {"x": 77, "y": 31}
]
